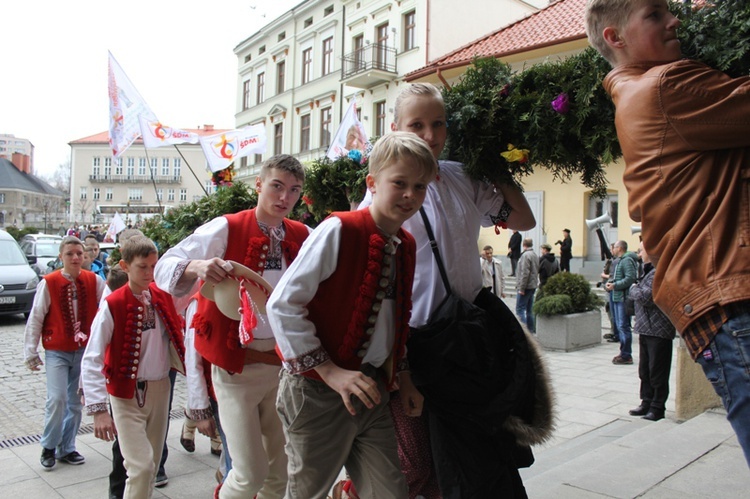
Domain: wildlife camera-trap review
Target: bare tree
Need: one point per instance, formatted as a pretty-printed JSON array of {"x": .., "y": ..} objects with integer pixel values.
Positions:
[{"x": 61, "y": 177}]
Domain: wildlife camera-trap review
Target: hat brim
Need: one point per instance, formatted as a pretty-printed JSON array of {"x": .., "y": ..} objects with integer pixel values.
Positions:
[{"x": 226, "y": 294}]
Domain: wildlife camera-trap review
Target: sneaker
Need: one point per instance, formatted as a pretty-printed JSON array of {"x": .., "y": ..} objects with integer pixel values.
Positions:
[
  {"x": 48, "y": 458},
  {"x": 161, "y": 480},
  {"x": 608, "y": 336},
  {"x": 620, "y": 360},
  {"x": 73, "y": 458}
]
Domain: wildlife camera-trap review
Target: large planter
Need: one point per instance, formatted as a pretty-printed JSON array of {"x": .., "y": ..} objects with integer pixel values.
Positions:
[{"x": 569, "y": 332}]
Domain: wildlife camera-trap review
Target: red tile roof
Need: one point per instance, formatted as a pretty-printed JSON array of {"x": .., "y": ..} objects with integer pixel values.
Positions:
[
  {"x": 103, "y": 137},
  {"x": 557, "y": 23}
]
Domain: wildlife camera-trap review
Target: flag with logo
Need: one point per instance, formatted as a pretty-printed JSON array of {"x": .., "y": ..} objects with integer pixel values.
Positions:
[
  {"x": 125, "y": 106},
  {"x": 350, "y": 135},
  {"x": 223, "y": 148},
  {"x": 154, "y": 134},
  {"x": 115, "y": 227}
]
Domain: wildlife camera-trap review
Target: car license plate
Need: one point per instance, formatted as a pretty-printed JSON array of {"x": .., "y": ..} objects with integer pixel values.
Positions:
[{"x": 7, "y": 299}]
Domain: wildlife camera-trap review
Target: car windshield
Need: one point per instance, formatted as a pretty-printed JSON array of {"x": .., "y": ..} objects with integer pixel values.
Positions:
[
  {"x": 11, "y": 254},
  {"x": 47, "y": 249}
]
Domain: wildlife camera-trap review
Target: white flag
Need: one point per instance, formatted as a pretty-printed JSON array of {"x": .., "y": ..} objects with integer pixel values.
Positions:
[
  {"x": 223, "y": 148},
  {"x": 125, "y": 105},
  {"x": 154, "y": 134},
  {"x": 115, "y": 227},
  {"x": 350, "y": 135}
]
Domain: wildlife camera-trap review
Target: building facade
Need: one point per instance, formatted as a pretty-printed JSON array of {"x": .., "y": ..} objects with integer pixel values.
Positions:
[
  {"x": 137, "y": 185},
  {"x": 18, "y": 151},
  {"x": 28, "y": 201}
]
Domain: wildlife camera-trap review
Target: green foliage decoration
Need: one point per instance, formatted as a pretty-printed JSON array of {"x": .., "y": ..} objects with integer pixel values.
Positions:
[
  {"x": 566, "y": 293},
  {"x": 17, "y": 233},
  {"x": 334, "y": 185}
]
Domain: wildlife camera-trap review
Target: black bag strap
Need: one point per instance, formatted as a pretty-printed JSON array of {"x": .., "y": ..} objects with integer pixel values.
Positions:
[{"x": 434, "y": 246}]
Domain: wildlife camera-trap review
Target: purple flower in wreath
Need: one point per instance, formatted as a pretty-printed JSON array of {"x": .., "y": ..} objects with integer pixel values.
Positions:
[
  {"x": 355, "y": 155},
  {"x": 561, "y": 104}
]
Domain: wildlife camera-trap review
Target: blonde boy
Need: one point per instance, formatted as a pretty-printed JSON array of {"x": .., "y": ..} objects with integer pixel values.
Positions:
[
  {"x": 64, "y": 306},
  {"x": 136, "y": 338},
  {"x": 684, "y": 129},
  {"x": 340, "y": 316}
]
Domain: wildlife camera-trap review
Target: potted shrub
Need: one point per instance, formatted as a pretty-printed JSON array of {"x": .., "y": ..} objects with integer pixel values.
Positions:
[{"x": 568, "y": 315}]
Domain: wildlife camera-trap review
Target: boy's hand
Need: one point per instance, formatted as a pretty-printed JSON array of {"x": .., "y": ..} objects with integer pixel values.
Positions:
[
  {"x": 104, "y": 426},
  {"x": 348, "y": 383},
  {"x": 411, "y": 400},
  {"x": 212, "y": 271},
  {"x": 206, "y": 427}
]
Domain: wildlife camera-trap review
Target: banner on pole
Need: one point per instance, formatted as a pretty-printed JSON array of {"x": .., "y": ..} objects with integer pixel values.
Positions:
[
  {"x": 223, "y": 148},
  {"x": 154, "y": 134},
  {"x": 350, "y": 135}
]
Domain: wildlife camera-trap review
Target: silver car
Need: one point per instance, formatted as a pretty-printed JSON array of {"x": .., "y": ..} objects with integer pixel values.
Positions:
[{"x": 17, "y": 279}]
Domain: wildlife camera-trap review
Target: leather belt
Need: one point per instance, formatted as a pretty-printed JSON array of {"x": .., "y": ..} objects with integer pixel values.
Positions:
[{"x": 257, "y": 357}]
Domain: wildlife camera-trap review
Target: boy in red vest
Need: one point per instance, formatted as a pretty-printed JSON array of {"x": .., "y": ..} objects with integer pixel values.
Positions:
[
  {"x": 340, "y": 316},
  {"x": 64, "y": 306},
  {"x": 136, "y": 338},
  {"x": 244, "y": 371}
]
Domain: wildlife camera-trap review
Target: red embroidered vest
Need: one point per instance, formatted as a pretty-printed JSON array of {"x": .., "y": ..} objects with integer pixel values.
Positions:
[
  {"x": 58, "y": 330},
  {"x": 358, "y": 284},
  {"x": 123, "y": 353},
  {"x": 217, "y": 336}
]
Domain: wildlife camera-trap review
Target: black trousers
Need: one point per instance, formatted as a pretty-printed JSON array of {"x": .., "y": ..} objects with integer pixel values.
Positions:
[{"x": 654, "y": 365}]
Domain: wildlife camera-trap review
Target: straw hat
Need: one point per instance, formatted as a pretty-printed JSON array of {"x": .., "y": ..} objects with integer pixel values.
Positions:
[{"x": 226, "y": 294}]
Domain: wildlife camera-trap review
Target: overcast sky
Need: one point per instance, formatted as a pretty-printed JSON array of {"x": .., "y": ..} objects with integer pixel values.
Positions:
[{"x": 178, "y": 54}]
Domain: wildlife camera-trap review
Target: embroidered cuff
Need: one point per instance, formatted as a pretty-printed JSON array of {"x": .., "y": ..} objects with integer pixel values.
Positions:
[
  {"x": 33, "y": 362},
  {"x": 96, "y": 408},
  {"x": 199, "y": 414},
  {"x": 403, "y": 365},
  {"x": 306, "y": 362},
  {"x": 178, "y": 271},
  {"x": 503, "y": 214}
]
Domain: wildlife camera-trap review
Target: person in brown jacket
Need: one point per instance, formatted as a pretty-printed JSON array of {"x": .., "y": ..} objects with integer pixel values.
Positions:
[{"x": 684, "y": 129}]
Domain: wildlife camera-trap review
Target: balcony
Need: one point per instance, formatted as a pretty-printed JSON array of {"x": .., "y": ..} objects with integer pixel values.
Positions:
[
  {"x": 134, "y": 179},
  {"x": 369, "y": 66}
]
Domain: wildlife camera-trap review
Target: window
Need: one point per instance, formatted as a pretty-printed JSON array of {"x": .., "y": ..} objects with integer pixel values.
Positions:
[
  {"x": 135, "y": 194},
  {"x": 258, "y": 158},
  {"x": 160, "y": 194},
  {"x": 262, "y": 49},
  {"x": 95, "y": 195},
  {"x": 131, "y": 167},
  {"x": 170, "y": 195},
  {"x": 95, "y": 170},
  {"x": 260, "y": 90},
  {"x": 304, "y": 133},
  {"x": 381, "y": 35},
  {"x": 327, "y": 55},
  {"x": 183, "y": 194},
  {"x": 278, "y": 138},
  {"x": 359, "y": 51},
  {"x": 177, "y": 167},
  {"x": 154, "y": 162},
  {"x": 165, "y": 166},
  {"x": 141, "y": 166},
  {"x": 306, "y": 65},
  {"x": 308, "y": 22},
  {"x": 84, "y": 193},
  {"x": 280, "y": 76},
  {"x": 108, "y": 167},
  {"x": 281, "y": 36},
  {"x": 380, "y": 118},
  {"x": 325, "y": 127},
  {"x": 208, "y": 186},
  {"x": 409, "y": 28},
  {"x": 2, "y": 198},
  {"x": 108, "y": 195},
  {"x": 248, "y": 58},
  {"x": 328, "y": 11},
  {"x": 118, "y": 166},
  {"x": 245, "y": 95}
]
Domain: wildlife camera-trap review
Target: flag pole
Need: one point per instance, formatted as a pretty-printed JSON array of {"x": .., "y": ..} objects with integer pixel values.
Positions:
[
  {"x": 153, "y": 180},
  {"x": 191, "y": 169}
]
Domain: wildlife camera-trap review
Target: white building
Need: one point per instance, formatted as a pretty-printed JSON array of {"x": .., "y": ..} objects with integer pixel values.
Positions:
[
  {"x": 298, "y": 74},
  {"x": 101, "y": 185}
]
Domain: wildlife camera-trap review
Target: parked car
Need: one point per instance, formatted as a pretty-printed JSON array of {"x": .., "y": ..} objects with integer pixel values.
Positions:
[
  {"x": 44, "y": 247},
  {"x": 17, "y": 279}
]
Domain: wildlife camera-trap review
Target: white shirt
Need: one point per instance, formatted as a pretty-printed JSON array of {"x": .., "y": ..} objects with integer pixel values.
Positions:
[
  {"x": 287, "y": 306},
  {"x": 197, "y": 398},
  {"x": 488, "y": 268},
  {"x": 456, "y": 207},
  {"x": 39, "y": 310}
]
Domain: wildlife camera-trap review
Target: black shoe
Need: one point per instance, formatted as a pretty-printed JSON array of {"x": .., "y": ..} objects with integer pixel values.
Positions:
[
  {"x": 161, "y": 480},
  {"x": 620, "y": 360},
  {"x": 48, "y": 458},
  {"x": 608, "y": 336},
  {"x": 613, "y": 340},
  {"x": 654, "y": 415},
  {"x": 641, "y": 410},
  {"x": 73, "y": 458}
]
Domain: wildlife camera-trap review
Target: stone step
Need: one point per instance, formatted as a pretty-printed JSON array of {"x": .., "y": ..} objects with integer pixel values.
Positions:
[
  {"x": 625, "y": 459},
  {"x": 510, "y": 287}
]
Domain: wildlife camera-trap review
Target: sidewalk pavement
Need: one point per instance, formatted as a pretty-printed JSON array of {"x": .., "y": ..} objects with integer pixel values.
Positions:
[{"x": 598, "y": 450}]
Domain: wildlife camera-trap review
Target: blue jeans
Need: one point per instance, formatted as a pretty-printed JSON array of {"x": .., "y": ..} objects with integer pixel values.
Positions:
[
  {"x": 62, "y": 413},
  {"x": 622, "y": 320},
  {"x": 524, "y": 303},
  {"x": 726, "y": 363}
]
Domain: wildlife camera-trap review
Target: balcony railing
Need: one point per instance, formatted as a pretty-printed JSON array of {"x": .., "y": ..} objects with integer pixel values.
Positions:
[
  {"x": 369, "y": 65},
  {"x": 134, "y": 179}
]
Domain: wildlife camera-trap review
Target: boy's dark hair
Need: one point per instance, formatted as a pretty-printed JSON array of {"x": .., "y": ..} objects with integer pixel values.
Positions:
[
  {"x": 117, "y": 278},
  {"x": 91, "y": 236},
  {"x": 70, "y": 240},
  {"x": 137, "y": 246},
  {"x": 487, "y": 247},
  {"x": 283, "y": 162}
]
